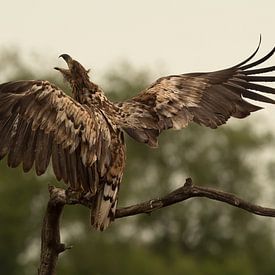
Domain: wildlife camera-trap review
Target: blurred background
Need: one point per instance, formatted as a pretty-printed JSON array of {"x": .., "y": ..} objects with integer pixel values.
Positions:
[{"x": 127, "y": 45}]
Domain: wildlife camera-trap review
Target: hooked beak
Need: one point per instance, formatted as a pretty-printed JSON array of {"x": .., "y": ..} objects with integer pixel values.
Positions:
[{"x": 66, "y": 57}]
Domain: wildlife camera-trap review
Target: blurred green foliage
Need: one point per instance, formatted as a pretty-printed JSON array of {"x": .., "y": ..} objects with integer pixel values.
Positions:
[{"x": 197, "y": 237}]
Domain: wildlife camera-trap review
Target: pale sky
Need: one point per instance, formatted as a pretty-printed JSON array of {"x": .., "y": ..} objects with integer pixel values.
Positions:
[{"x": 169, "y": 36}]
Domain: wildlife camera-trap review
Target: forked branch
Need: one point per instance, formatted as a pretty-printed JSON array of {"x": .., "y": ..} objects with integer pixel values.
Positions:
[{"x": 51, "y": 246}]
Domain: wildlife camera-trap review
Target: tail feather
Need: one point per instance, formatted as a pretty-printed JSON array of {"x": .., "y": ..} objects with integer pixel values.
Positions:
[{"x": 103, "y": 212}]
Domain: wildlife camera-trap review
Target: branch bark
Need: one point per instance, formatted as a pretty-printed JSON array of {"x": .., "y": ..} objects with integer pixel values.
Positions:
[
  {"x": 51, "y": 246},
  {"x": 187, "y": 191}
]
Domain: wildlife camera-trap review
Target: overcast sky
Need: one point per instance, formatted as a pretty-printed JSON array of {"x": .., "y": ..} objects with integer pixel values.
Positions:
[{"x": 170, "y": 36}]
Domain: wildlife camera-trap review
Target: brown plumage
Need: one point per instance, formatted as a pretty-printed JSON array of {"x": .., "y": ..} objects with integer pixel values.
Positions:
[{"x": 83, "y": 136}]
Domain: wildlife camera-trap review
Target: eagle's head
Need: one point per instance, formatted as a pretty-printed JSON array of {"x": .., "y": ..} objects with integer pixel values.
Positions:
[{"x": 76, "y": 74}]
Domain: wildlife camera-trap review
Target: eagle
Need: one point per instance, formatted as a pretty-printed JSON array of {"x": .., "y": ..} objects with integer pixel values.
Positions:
[{"x": 82, "y": 135}]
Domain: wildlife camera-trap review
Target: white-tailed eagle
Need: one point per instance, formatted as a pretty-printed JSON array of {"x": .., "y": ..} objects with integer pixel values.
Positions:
[{"x": 82, "y": 135}]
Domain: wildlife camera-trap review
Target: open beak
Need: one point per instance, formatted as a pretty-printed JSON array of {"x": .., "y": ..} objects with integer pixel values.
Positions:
[{"x": 67, "y": 58}]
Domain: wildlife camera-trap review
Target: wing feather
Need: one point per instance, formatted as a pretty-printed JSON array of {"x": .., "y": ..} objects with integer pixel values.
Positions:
[
  {"x": 209, "y": 99},
  {"x": 6, "y": 127},
  {"x": 43, "y": 150},
  {"x": 39, "y": 123},
  {"x": 29, "y": 156},
  {"x": 57, "y": 168},
  {"x": 15, "y": 155}
]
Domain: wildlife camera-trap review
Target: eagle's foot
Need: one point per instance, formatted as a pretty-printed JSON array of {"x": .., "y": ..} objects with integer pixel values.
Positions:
[
  {"x": 88, "y": 196},
  {"x": 73, "y": 195}
]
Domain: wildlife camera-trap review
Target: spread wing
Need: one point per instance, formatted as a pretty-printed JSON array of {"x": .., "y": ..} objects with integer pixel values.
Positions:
[
  {"x": 39, "y": 122},
  {"x": 208, "y": 99}
]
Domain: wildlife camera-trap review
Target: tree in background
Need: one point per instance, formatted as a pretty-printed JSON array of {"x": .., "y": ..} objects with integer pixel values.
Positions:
[{"x": 197, "y": 237}]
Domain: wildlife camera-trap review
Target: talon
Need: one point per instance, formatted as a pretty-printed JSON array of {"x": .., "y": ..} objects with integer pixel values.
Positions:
[{"x": 88, "y": 195}]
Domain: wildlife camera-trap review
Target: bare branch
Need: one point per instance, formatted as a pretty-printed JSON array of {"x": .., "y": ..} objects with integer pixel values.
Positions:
[
  {"x": 187, "y": 191},
  {"x": 51, "y": 246}
]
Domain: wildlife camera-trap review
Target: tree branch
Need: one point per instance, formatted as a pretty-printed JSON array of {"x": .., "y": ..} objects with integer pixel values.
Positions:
[
  {"x": 50, "y": 234},
  {"x": 51, "y": 246},
  {"x": 187, "y": 191}
]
